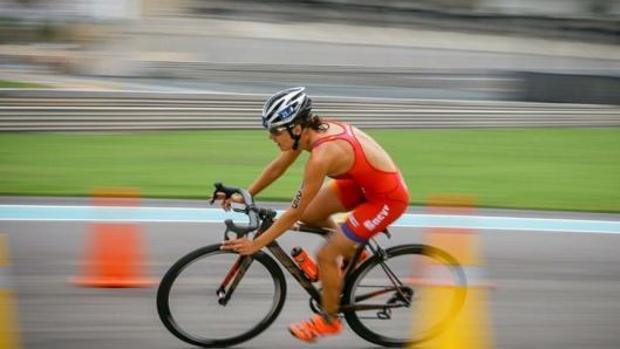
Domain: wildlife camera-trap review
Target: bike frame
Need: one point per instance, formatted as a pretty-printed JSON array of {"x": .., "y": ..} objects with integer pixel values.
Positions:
[{"x": 237, "y": 271}]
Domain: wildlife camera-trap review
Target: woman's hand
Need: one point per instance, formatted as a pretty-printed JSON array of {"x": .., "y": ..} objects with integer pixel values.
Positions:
[
  {"x": 243, "y": 246},
  {"x": 227, "y": 202}
]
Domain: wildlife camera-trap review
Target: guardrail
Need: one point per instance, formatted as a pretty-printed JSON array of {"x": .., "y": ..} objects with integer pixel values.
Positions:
[{"x": 63, "y": 110}]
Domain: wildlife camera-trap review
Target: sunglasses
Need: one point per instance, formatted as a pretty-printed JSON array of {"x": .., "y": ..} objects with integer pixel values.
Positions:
[{"x": 276, "y": 131}]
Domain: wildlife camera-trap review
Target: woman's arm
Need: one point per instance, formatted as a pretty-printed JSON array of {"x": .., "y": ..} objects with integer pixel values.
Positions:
[
  {"x": 314, "y": 174},
  {"x": 273, "y": 171}
]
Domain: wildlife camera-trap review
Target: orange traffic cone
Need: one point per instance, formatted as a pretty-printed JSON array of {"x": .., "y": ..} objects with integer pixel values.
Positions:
[
  {"x": 10, "y": 336},
  {"x": 468, "y": 327},
  {"x": 115, "y": 256}
]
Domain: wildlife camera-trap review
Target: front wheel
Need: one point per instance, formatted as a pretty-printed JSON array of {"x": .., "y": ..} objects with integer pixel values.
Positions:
[
  {"x": 430, "y": 290},
  {"x": 191, "y": 301}
]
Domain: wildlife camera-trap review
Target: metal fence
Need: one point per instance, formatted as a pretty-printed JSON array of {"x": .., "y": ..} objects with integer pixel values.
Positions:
[{"x": 63, "y": 110}]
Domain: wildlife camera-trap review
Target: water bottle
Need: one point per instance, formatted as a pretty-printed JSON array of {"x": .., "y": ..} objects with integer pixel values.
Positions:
[{"x": 306, "y": 263}]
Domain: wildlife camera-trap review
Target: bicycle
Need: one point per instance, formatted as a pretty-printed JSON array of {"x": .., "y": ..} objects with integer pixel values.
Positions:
[{"x": 253, "y": 288}]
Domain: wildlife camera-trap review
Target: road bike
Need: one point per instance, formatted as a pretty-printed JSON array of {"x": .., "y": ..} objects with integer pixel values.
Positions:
[{"x": 217, "y": 298}]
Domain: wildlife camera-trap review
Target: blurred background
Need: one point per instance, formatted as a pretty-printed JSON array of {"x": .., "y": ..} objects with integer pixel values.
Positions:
[
  {"x": 515, "y": 103},
  {"x": 451, "y": 49}
]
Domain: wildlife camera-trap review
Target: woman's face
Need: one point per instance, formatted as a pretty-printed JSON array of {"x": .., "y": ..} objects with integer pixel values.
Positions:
[{"x": 282, "y": 138}]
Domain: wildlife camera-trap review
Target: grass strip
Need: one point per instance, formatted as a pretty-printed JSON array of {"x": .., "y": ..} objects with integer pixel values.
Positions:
[{"x": 560, "y": 169}]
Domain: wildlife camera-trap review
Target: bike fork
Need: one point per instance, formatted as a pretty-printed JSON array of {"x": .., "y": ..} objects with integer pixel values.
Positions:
[{"x": 235, "y": 274}]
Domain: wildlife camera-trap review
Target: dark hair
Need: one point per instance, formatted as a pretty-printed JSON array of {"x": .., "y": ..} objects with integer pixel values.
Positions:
[{"x": 313, "y": 121}]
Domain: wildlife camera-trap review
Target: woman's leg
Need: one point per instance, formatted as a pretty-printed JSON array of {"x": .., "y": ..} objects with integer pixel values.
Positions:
[
  {"x": 366, "y": 220},
  {"x": 325, "y": 203},
  {"x": 336, "y": 196},
  {"x": 330, "y": 273}
]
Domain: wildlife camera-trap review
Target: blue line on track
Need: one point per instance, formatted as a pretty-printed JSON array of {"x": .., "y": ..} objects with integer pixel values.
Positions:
[{"x": 204, "y": 215}]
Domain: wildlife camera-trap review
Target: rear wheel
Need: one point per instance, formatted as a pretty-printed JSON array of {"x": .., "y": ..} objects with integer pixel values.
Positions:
[
  {"x": 190, "y": 307},
  {"x": 431, "y": 292}
]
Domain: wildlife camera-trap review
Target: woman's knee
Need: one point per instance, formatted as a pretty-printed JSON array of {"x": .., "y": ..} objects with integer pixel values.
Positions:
[
  {"x": 324, "y": 204},
  {"x": 311, "y": 218},
  {"x": 327, "y": 254}
]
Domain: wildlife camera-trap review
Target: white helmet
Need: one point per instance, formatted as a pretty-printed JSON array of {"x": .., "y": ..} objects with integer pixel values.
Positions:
[{"x": 286, "y": 106}]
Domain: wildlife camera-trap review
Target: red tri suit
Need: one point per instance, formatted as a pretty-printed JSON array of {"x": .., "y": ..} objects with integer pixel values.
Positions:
[{"x": 376, "y": 197}]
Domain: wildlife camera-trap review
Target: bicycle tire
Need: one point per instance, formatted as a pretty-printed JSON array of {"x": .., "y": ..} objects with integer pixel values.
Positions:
[
  {"x": 167, "y": 283},
  {"x": 354, "y": 318}
]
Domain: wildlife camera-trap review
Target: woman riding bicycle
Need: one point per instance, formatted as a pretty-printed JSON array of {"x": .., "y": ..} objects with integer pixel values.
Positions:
[{"x": 365, "y": 181}]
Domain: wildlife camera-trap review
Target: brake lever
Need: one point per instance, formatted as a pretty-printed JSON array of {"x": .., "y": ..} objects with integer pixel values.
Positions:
[
  {"x": 215, "y": 192},
  {"x": 250, "y": 210},
  {"x": 226, "y": 237}
]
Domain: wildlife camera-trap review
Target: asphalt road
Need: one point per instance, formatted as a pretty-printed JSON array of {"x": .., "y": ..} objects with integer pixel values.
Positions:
[{"x": 553, "y": 290}]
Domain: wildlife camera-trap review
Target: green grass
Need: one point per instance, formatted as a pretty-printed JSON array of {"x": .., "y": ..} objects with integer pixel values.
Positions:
[
  {"x": 564, "y": 169},
  {"x": 20, "y": 84}
]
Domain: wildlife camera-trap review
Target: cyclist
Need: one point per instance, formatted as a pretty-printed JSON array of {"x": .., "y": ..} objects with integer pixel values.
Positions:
[{"x": 365, "y": 180}]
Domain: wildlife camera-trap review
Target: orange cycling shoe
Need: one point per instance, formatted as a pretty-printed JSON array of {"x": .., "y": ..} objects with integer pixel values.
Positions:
[{"x": 317, "y": 326}]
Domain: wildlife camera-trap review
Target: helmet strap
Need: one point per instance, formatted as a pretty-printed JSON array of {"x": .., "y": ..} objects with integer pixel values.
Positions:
[{"x": 294, "y": 137}]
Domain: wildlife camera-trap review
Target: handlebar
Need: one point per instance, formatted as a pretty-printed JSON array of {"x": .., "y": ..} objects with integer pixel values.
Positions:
[
  {"x": 255, "y": 212},
  {"x": 240, "y": 230}
]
